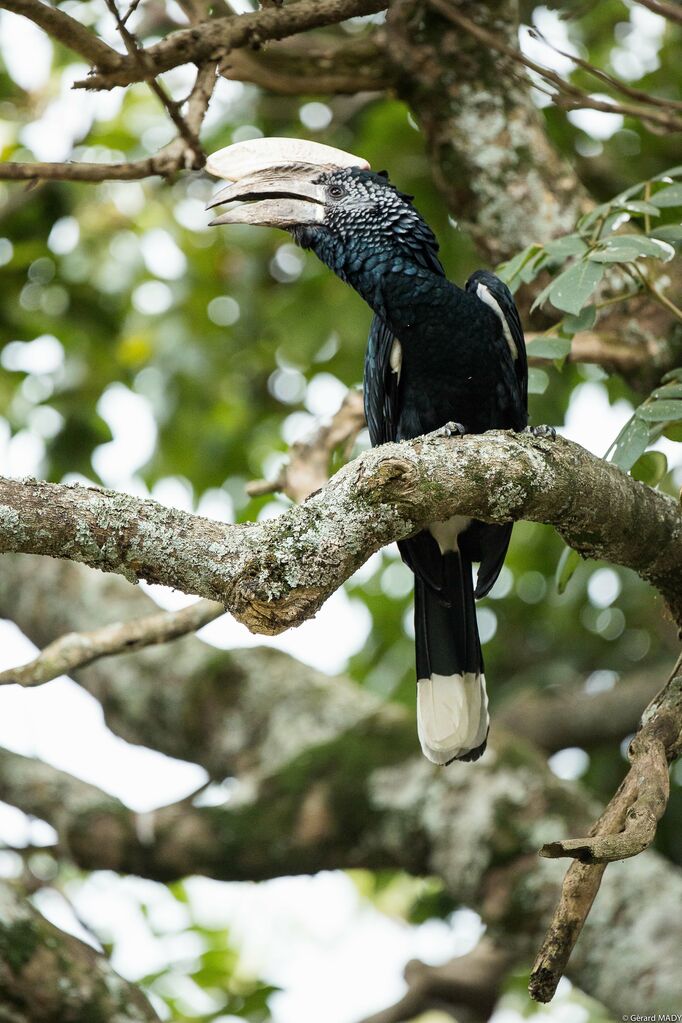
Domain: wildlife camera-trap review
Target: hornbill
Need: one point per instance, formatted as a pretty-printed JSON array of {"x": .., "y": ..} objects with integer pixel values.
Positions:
[{"x": 438, "y": 356}]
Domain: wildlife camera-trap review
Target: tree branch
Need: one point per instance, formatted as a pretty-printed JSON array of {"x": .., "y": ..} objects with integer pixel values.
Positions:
[
  {"x": 331, "y": 769},
  {"x": 571, "y": 96},
  {"x": 669, "y": 11},
  {"x": 66, "y": 30},
  {"x": 468, "y": 985},
  {"x": 567, "y": 716},
  {"x": 275, "y": 574},
  {"x": 177, "y": 155},
  {"x": 212, "y": 39},
  {"x": 47, "y": 976},
  {"x": 625, "y": 828},
  {"x": 76, "y": 649},
  {"x": 291, "y": 68}
]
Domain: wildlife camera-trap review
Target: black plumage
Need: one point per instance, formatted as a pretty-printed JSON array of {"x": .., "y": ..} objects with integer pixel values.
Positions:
[{"x": 437, "y": 354}]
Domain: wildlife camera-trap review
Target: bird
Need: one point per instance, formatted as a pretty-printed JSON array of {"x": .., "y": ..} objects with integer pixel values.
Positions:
[{"x": 439, "y": 357}]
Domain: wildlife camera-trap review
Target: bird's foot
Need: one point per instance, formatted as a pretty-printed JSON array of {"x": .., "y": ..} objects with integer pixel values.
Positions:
[
  {"x": 451, "y": 430},
  {"x": 541, "y": 431}
]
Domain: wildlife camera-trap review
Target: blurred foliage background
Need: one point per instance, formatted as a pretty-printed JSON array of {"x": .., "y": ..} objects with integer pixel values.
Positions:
[{"x": 124, "y": 318}]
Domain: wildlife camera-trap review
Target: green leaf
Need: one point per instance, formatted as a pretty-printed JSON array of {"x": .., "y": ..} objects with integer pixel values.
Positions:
[
  {"x": 670, "y": 196},
  {"x": 562, "y": 248},
  {"x": 625, "y": 248},
  {"x": 583, "y": 321},
  {"x": 537, "y": 381},
  {"x": 572, "y": 288},
  {"x": 639, "y": 206},
  {"x": 650, "y": 468},
  {"x": 673, "y": 431},
  {"x": 510, "y": 270},
  {"x": 661, "y": 411},
  {"x": 667, "y": 232},
  {"x": 672, "y": 374},
  {"x": 568, "y": 562},
  {"x": 630, "y": 443},
  {"x": 549, "y": 348},
  {"x": 670, "y": 390}
]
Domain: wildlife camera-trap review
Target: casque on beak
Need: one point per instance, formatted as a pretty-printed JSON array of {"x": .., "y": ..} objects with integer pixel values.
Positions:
[{"x": 275, "y": 180}]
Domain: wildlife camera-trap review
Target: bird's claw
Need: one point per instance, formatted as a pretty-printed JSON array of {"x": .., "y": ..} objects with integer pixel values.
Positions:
[
  {"x": 452, "y": 430},
  {"x": 541, "y": 431}
]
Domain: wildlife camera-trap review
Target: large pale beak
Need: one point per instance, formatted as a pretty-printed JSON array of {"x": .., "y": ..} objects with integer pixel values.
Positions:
[{"x": 276, "y": 181}]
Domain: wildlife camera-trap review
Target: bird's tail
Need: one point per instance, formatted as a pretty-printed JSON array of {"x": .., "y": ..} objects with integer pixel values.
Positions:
[{"x": 452, "y": 704}]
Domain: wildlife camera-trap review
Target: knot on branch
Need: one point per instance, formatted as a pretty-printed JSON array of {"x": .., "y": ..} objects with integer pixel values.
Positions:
[
  {"x": 271, "y": 617},
  {"x": 392, "y": 479}
]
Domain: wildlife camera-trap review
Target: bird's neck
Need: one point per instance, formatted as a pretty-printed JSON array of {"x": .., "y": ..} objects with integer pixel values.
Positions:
[{"x": 384, "y": 276}]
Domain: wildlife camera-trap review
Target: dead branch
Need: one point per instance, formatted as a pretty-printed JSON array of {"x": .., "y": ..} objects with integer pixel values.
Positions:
[
  {"x": 307, "y": 469},
  {"x": 625, "y": 828}
]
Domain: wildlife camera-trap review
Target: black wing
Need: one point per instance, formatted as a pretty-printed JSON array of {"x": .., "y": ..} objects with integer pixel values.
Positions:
[
  {"x": 488, "y": 543},
  {"x": 381, "y": 384},
  {"x": 495, "y": 293}
]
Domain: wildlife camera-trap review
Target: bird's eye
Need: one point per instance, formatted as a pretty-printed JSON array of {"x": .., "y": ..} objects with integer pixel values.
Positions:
[{"x": 337, "y": 191}]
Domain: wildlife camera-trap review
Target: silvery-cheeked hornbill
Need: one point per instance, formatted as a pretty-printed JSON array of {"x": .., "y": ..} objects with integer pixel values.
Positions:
[{"x": 438, "y": 356}]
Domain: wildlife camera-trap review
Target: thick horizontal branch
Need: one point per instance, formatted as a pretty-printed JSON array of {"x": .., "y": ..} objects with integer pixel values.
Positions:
[
  {"x": 274, "y": 574},
  {"x": 295, "y": 67},
  {"x": 212, "y": 39},
  {"x": 47, "y": 976}
]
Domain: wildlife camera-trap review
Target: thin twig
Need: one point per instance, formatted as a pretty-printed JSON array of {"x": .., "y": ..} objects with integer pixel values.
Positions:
[
  {"x": 77, "y": 649},
  {"x": 570, "y": 96},
  {"x": 672, "y": 12},
  {"x": 172, "y": 108},
  {"x": 626, "y": 827},
  {"x": 167, "y": 162}
]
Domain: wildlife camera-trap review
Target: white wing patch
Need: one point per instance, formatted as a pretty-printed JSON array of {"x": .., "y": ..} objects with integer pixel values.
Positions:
[
  {"x": 486, "y": 296},
  {"x": 396, "y": 358}
]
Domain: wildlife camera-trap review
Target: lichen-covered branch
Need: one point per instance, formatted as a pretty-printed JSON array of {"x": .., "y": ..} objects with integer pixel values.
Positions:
[
  {"x": 275, "y": 574},
  {"x": 47, "y": 976},
  {"x": 642, "y": 798}
]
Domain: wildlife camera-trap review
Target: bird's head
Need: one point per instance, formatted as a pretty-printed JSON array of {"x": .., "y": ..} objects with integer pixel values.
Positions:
[{"x": 355, "y": 220}]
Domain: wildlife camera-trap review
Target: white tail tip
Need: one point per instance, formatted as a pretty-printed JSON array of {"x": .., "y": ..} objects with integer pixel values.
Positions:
[{"x": 452, "y": 715}]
